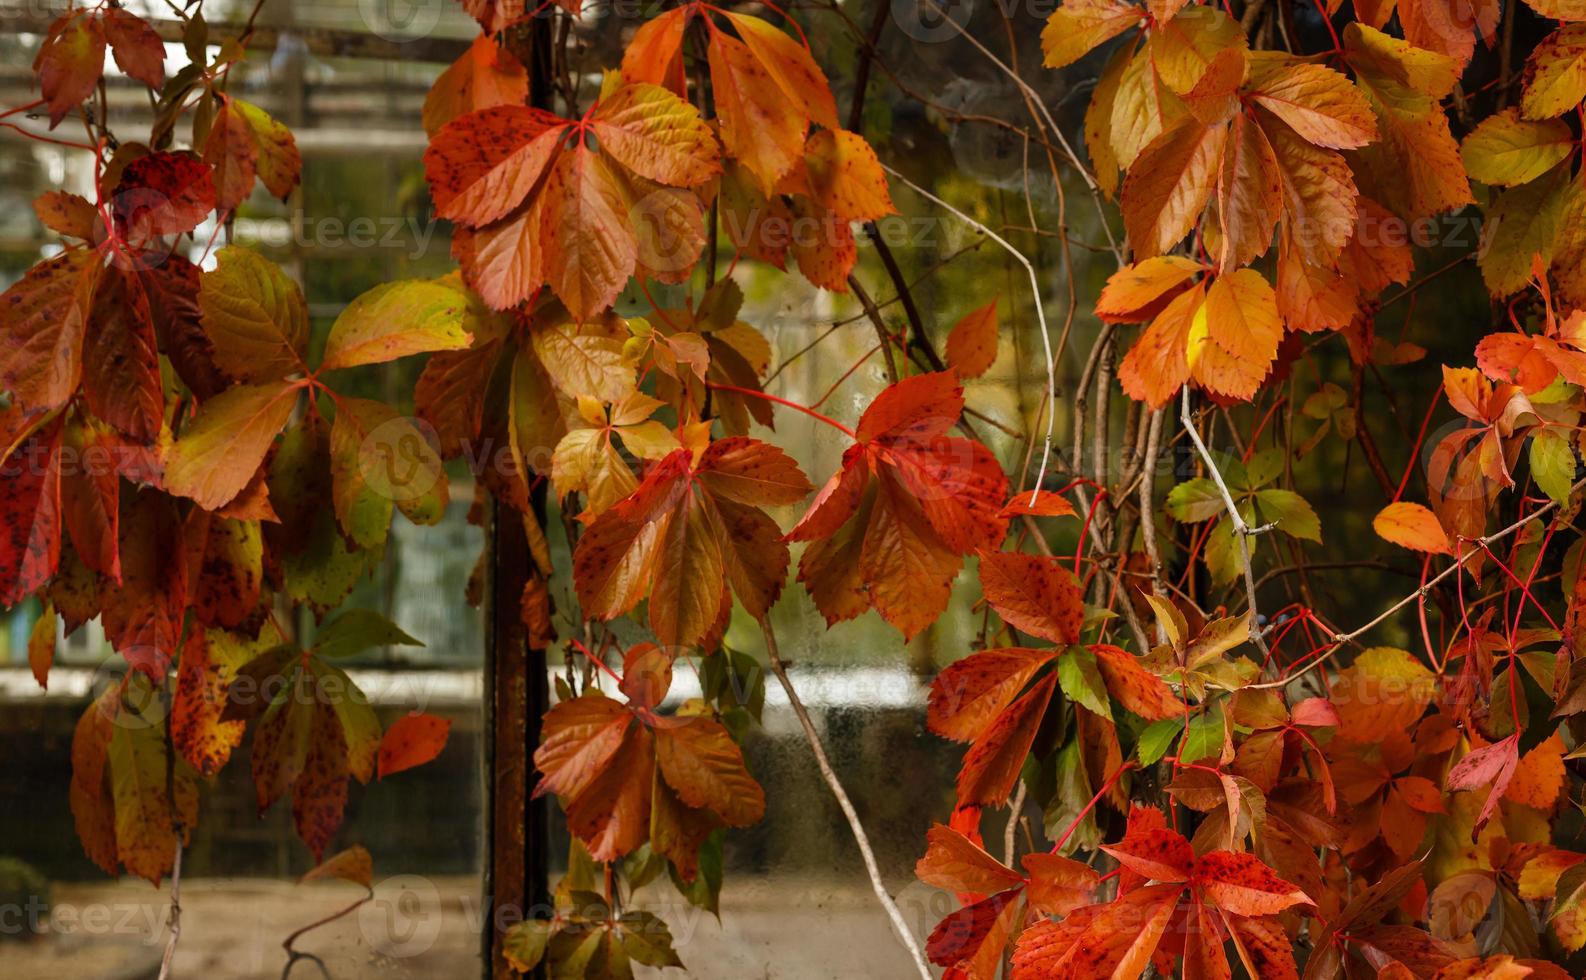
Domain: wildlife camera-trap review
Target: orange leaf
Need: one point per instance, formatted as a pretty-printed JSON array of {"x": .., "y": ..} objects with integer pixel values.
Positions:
[
  {"x": 1169, "y": 184},
  {"x": 991, "y": 766},
  {"x": 412, "y": 740},
  {"x": 1139, "y": 292},
  {"x": 704, "y": 765},
  {"x": 484, "y": 76},
  {"x": 972, "y": 343},
  {"x": 968, "y": 695},
  {"x": 1411, "y": 526},
  {"x": 1034, "y": 594},
  {"x": 956, "y": 863},
  {"x": 1045, "y": 504},
  {"x": 354, "y": 865}
]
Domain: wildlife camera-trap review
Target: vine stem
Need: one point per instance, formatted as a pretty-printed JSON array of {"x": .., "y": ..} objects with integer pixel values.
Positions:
[
  {"x": 1040, "y": 314},
  {"x": 841, "y": 795},
  {"x": 1242, "y": 531},
  {"x": 767, "y": 396},
  {"x": 1339, "y": 640},
  {"x": 176, "y": 913}
]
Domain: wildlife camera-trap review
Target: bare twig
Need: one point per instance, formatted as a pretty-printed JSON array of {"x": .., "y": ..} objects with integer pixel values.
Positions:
[
  {"x": 1040, "y": 311},
  {"x": 176, "y": 913},
  {"x": 1242, "y": 531},
  {"x": 835, "y": 785},
  {"x": 1340, "y": 640}
]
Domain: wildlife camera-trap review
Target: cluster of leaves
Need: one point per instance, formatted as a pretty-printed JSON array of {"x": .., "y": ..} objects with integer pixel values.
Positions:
[
  {"x": 1213, "y": 796},
  {"x": 161, "y": 476}
]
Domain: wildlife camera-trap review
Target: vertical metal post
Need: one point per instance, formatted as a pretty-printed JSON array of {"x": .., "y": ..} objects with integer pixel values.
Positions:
[{"x": 515, "y": 696}]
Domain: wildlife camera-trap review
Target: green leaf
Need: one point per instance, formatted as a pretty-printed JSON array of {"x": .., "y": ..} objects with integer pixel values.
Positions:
[
  {"x": 705, "y": 890},
  {"x": 1073, "y": 794},
  {"x": 646, "y": 939},
  {"x": 1263, "y": 468},
  {"x": 254, "y": 315},
  {"x": 396, "y": 319},
  {"x": 360, "y": 727},
  {"x": 1204, "y": 738},
  {"x": 1194, "y": 500},
  {"x": 524, "y": 943},
  {"x": 379, "y": 458},
  {"x": 1222, "y": 553},
  {"x": 357, "y": 630},
  {"x": 1553, "y": 463},
  {"x": 1082, "y": 682},
  {"x": 1292, "y": 513},
  {"x": 1156, "y": 739}
]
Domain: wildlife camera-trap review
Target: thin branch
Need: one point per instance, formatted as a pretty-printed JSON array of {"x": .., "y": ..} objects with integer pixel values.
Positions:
[
  {"x": 881, "y": 328},
  {"x": 1340, "y": 640},
  {"x": 176, "y": 913},
  {"x": 1153, "y": 447},
  {"x": 835, "y": 785},
  {"x": 1040, "y": 311},
  {"x": 1242, "y": 531}
]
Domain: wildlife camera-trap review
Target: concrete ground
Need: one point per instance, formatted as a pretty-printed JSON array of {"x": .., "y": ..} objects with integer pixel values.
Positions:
[{"x": 427, "y": 928}]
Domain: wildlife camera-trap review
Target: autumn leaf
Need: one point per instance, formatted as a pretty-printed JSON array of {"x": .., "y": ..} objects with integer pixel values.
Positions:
[
  {"x": 412, "y": 740},
  {"x": 972, "y": 343},
  {"x": 1507, "y": 150},
  {"x": 768, "y": 88},
  {"x": 592, "y": 221},
  {"x": 1555, "y": 74},
  {"x": 223, "y": 447},
  {"x": 1078, "y": 26},
  {"x": 1216, "y": 892},
  {"x": 913, "y": 500},
  {"x": 44, "y": 319},
  {"x": 483, "y": 77},
  {"x": 1412, "y": 526},
  {"x": 1033, "y": 594},
  {"x": 136, "y": 46},
  {"x": 691, "y": 531},
  {"x": 70, "y": 62}
]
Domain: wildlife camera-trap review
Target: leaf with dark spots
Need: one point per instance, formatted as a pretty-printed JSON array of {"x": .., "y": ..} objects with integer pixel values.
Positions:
[
  {"x": 30, "y": 514},
  {"x": 198, "y": 730},
  {"x": 43, "y": 322},
  {"x": 319, "y": 795},
  {"x": 143, "y": 615},
  {"x": 121, "y": 367},
  {"x": 90, "y": 498},
  {"x": 412, "y": 740},
  {"x": 162, "y": 194}
]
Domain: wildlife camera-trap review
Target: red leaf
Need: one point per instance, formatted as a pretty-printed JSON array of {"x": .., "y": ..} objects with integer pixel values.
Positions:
[
  {"x": 992, "y": 764},
  {"x": 30, "y": 514},
  {"x": 1034, "y": 594},
  {"x": 412, "y": 740},
  {"x": 1240, "y": 883},
  {"x": 137, "y": 46},
  {"x": 1113, "y": 939},
  {"x": 70, "y": 62},
  {"x": 1154, "y": 853},
  {"x": 162, "y": 194},
  {"x": 121, "y": 367},
  {"x": 969, "y": 694},
  {"x": 1045, "y": 504},
  {"x": 956, "y": 863},
  {"x": 1489, "y": 768}
]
